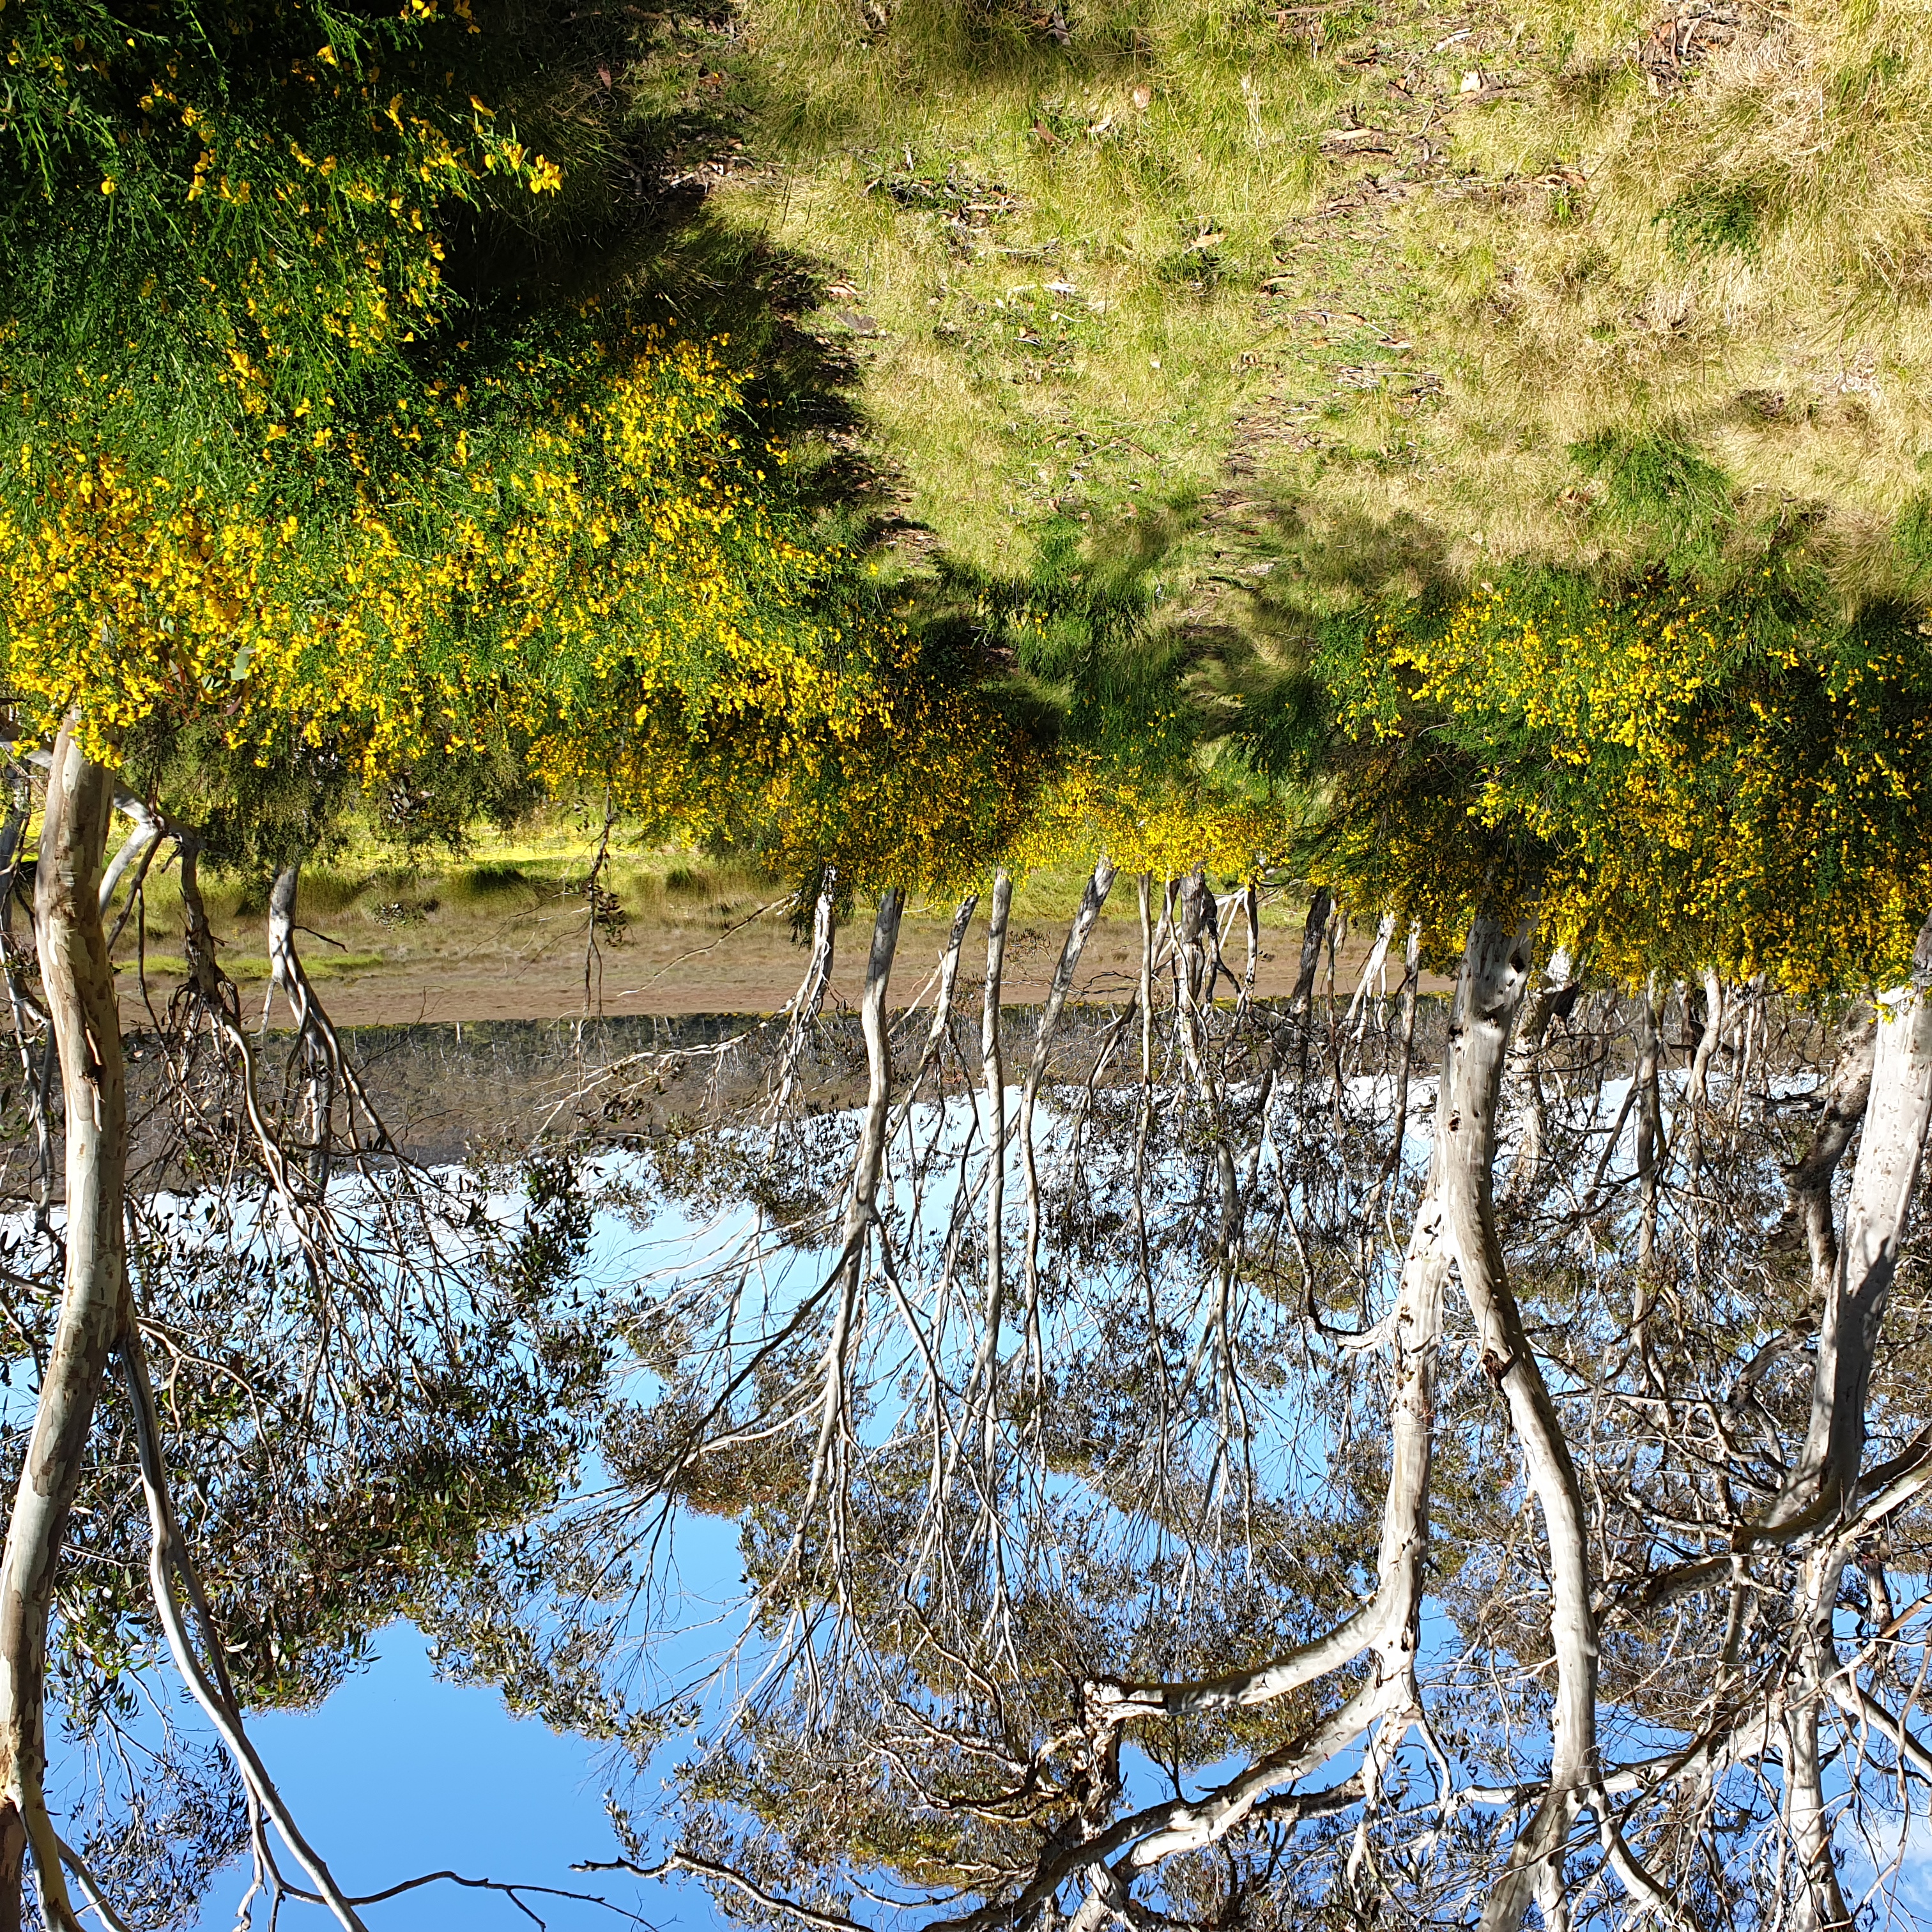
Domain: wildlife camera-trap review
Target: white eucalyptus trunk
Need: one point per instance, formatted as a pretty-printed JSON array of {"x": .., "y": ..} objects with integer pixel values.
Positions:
[
  {"x": 78, "y": 984},
  {"x": 1495, "y": 969}
]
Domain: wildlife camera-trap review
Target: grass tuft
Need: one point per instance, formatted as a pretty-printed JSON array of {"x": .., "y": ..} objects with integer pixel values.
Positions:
[
  {"x": 496, "y": 880},
  {"x": 1707, "y": 218},
  {"x": 1659, "y": 482}
]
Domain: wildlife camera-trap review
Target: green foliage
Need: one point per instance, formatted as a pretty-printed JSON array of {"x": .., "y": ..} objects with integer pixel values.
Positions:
[
  {"x": 1659, "y": 483},
  {"x": 246, "y": 205},
  {"x": 1668, "y": 781},
  {"x": 1710, "y": 217}
]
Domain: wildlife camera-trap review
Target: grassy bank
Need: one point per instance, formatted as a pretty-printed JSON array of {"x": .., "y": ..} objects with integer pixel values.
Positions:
[
  {"x": 513, "y": 900},
  {"x": 1333, "y": 300}
]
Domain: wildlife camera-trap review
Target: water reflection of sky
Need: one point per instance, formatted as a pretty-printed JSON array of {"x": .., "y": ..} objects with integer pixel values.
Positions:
[{"x": 399, "y": 1773}]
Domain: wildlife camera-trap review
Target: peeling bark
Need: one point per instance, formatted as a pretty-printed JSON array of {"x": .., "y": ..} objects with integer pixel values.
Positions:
[{"x": 1313, "y": 933}]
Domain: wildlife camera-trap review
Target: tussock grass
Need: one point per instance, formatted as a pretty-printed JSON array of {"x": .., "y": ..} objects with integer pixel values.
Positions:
[
  {"x": 487, "y": 881},
  {"x": 324, "y": 890},
  {"x": 1049, "y": 286}
]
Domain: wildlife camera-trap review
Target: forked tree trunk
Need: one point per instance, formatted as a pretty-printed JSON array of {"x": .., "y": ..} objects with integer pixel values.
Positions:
[
  {"x": 285, "y": 975},
  {"x": 1495, "y": 970},
  {"x": 79, "y": 988},
  {"x": 1358, "y": 1015}
]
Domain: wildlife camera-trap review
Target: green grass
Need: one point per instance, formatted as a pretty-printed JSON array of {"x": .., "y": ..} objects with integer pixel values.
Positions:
[
  {"x": 247, "y": 968},
  {"x": 1275, "y": 295}
]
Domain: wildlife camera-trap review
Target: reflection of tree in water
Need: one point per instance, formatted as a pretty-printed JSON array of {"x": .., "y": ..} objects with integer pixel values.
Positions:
[
  {"x": 1256, "y": 1518},
  {"x": 1351, "y": 1457},
  {"x": 332, "y": 1372}
]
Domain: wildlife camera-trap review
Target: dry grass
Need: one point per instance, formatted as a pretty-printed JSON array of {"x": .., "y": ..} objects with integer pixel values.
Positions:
[{"x": 1085, "y": 277}]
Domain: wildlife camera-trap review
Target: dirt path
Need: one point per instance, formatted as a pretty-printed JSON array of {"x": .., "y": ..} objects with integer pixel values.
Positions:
[{"x": 693, "y": 968}]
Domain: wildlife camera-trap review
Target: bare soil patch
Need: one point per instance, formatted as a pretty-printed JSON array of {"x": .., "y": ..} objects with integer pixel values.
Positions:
[{"x": 393, "y": 956}]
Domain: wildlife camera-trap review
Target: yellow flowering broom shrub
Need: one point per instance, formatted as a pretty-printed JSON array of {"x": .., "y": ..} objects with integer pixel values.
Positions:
[
  {"x": 263, "y": 473},
  {"x": 1668, "y": 779}
]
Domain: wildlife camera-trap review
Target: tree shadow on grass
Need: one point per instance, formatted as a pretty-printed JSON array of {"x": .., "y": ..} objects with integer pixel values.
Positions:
[{"x": 646, "y": 119}]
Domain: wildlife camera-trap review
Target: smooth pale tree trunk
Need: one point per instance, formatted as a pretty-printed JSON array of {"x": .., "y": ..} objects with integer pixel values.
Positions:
[
  {"x": 1358, "y": 1015},
  {"x": 1524, "y": 1073},
  {"x": 810, "y": 995},
  {"x": 78, "y": 984},
  {"x": 1845, "y": 1102},
  {"x": 1495, "y": 969},
  {"x": 862, "y": 1204},
  {"x": 937, "y": 1033},
  {"x": 1197, "y": 979},
  {"x": 993, "y": 1068},
  {"x": 1898, "y": 1109},
  {"x": 130, "y": 863},
  {"x": 1697, "y": 1098},
  {"x": 1404, "y": 1044},
  {"x": 209, "y": 1683},
  {"x": 285, "y": 976},
  {"x": 1091, "y": 901},
  {"x": 1462, "y": 1150},
  {"x": 1824, "y": 1485},
  {"x": 1377, "y": 1717}
]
